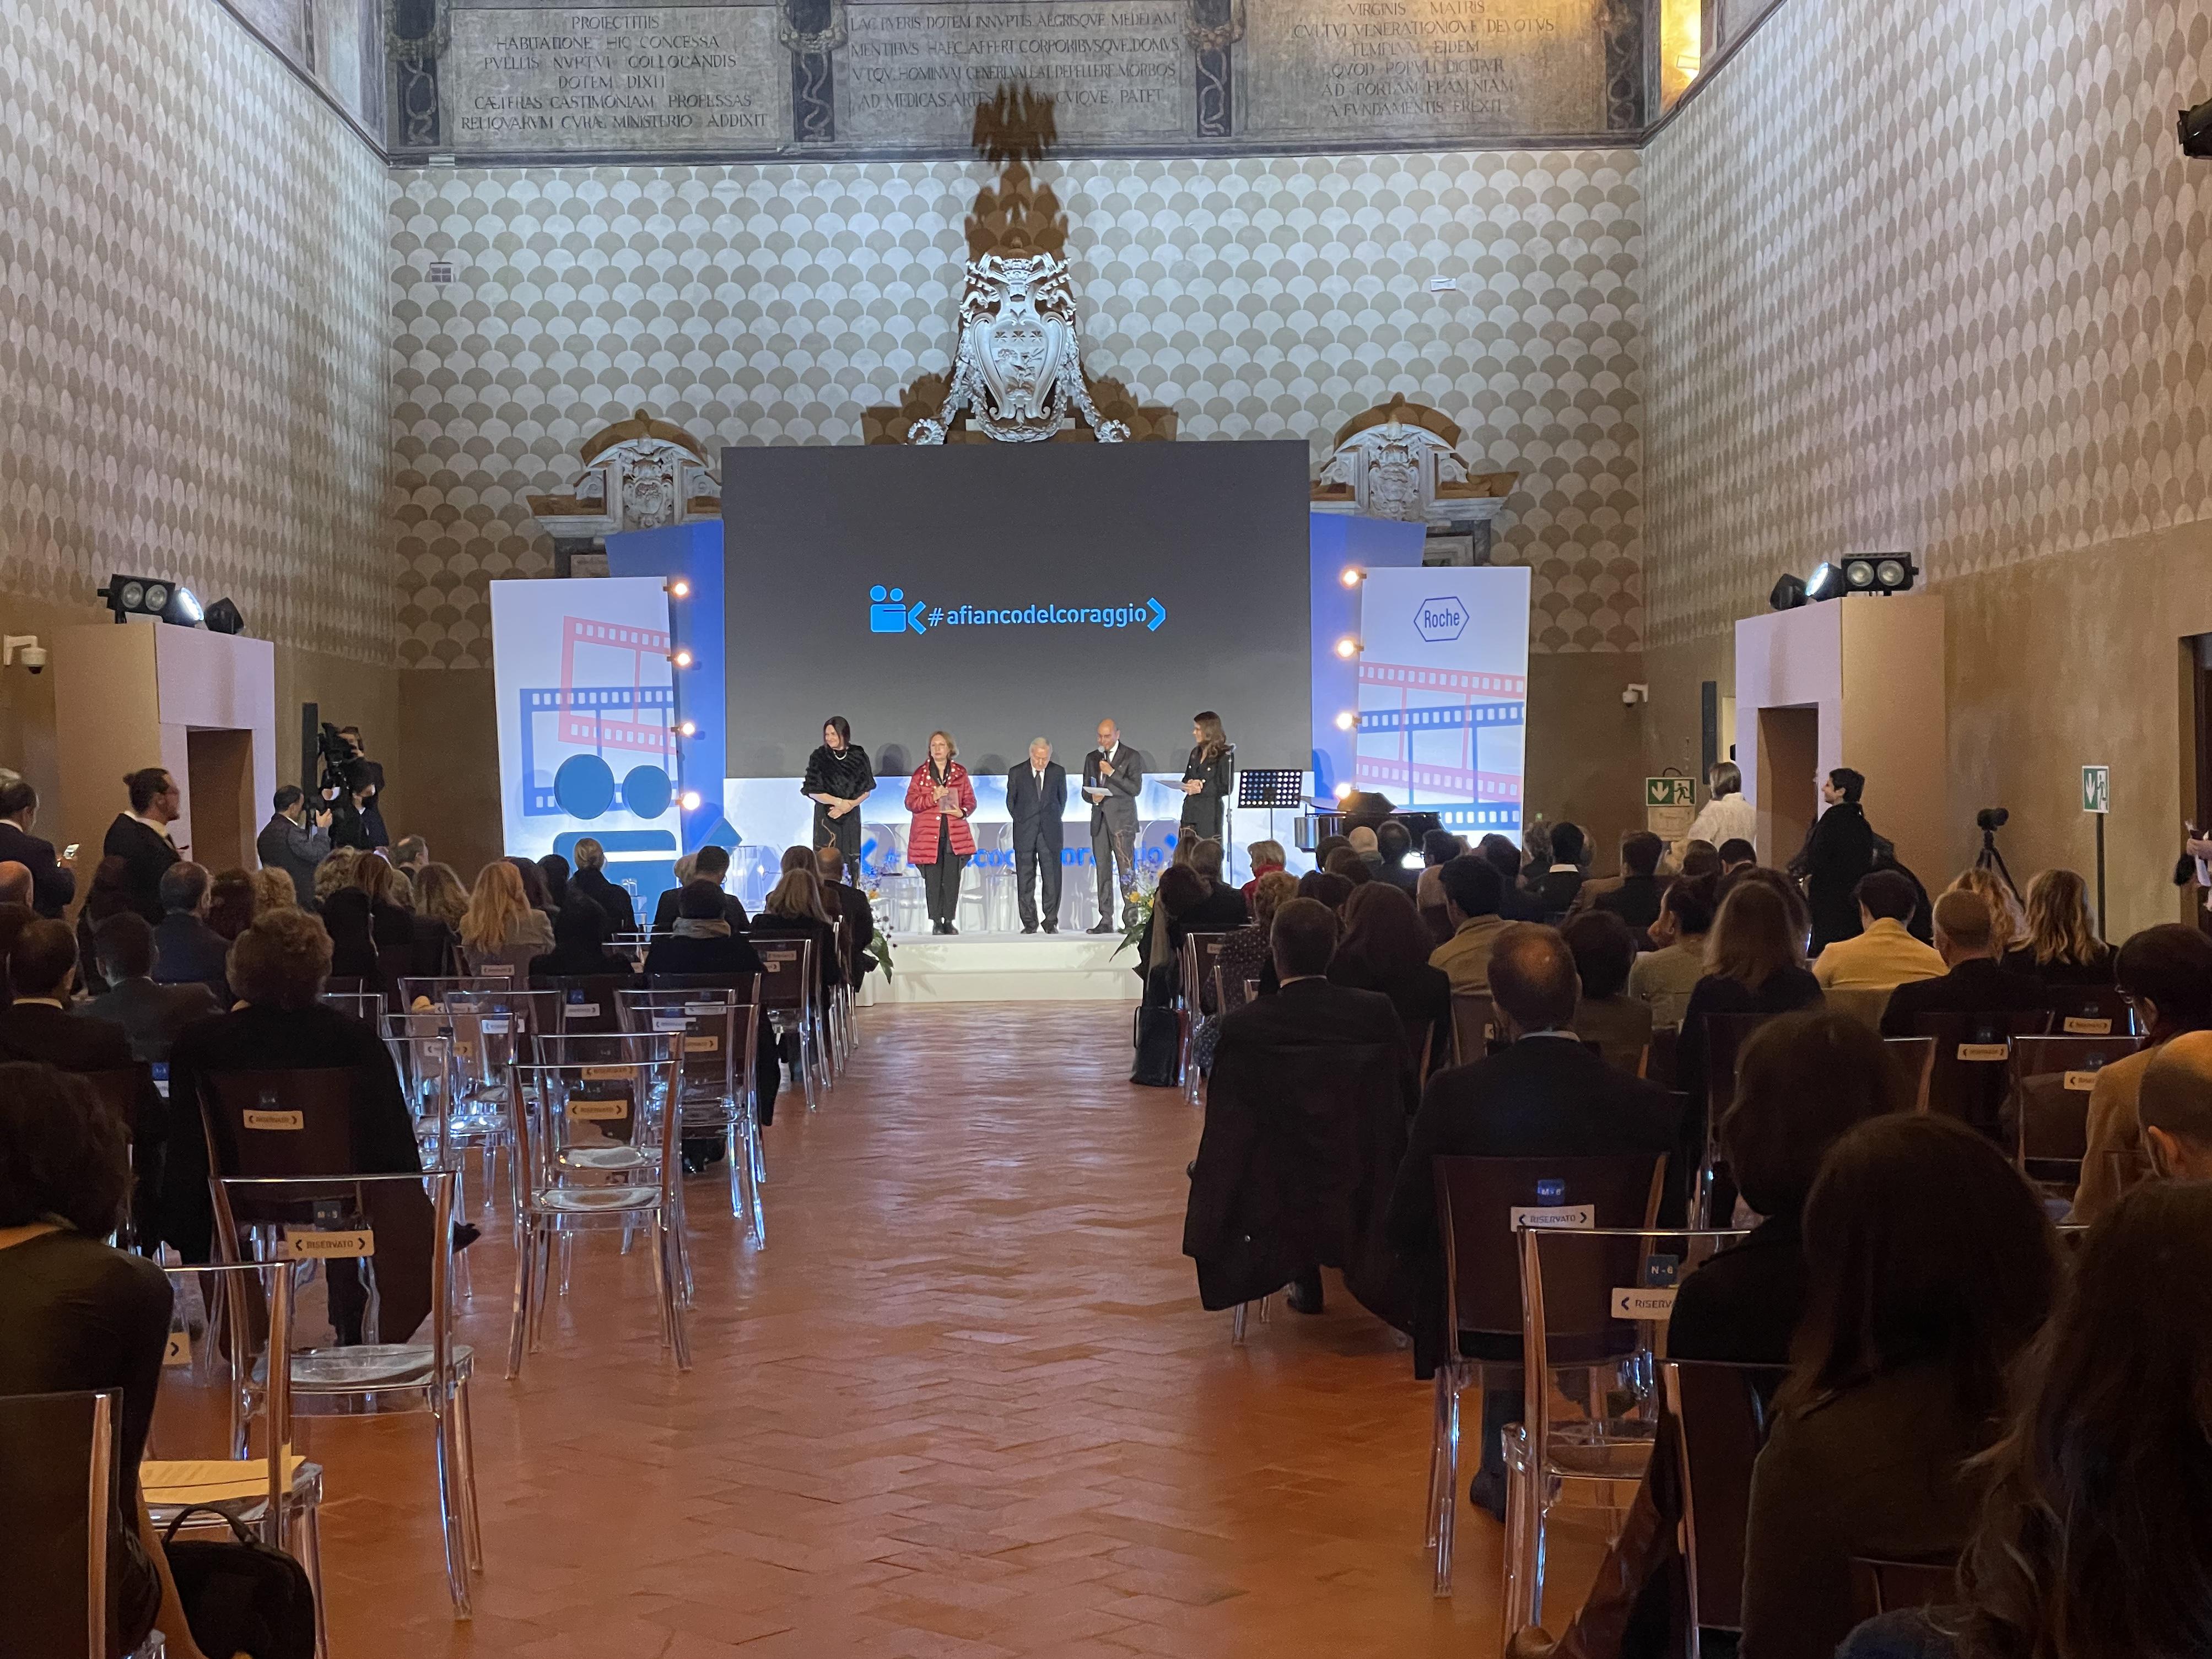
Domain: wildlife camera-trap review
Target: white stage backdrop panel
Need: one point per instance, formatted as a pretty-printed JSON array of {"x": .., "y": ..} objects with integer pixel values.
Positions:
[
  {"x": 1443, "y": 690},
  {"x": 585, "y": 707}
]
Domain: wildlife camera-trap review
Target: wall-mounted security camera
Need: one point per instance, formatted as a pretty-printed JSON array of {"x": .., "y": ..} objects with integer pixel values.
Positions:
[
  {"x": 1632, "y": 695},
  {"x": 25, "y": 647}
]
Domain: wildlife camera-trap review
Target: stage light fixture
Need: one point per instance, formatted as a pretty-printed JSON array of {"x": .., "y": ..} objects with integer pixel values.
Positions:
[
  {"x": 2196, "y": 129},
  {"x": 688, "y": 729},
  {"x": 679, "y": 589},
  {"x": 1347, "y": 648},
  {"x": 1343, "y": 790},
  {"x": 1353, "y": 576},
  {"x": 1826, "y": 582},
  {"x": 1879, "y": 573},
  {"x": 223, "y": 617},
  {"x": 691, "y": 800},
  {"x": 1347, "y": 721},
  {"x": 151, "y": 596},
  {"x": 1787, "y": 594},
  {"x": 682, "y": 658}
]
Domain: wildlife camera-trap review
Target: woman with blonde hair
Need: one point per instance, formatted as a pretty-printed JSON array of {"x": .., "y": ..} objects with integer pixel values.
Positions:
[
  {"x": 335, "y": 872},
  {"x": 591, "y": 880},
  {"x": 2060, "y": 945},
  {"x": 1754, "y": 964},
  {"x": 2007, "y": 926},
  {"x": 939, "y": 840},
  {"x": 794, "y": 909},
  {"x": 501, "y": 932},
  {"x": 273, "y": 890},
  {"x": 439, "y": 893}
]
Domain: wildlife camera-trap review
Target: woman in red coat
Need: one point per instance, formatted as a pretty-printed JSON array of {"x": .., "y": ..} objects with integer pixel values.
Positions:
[{"x": 939, "y": 842}]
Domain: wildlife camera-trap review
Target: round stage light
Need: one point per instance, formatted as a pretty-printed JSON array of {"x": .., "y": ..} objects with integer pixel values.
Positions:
[
  {"x": 1858, "y": 574},
  {"x": 682, "y": 660},
  {"x": 1347, "y": 721},
  {"x": 1342, "y": 790},
  {"x": 679, "y": 589},
  {"x": 134, "y": 595},
  {"x": 1353, "y": 576},
  {"x": 157, "y": 596},
  {"x": 1826, "y": 582},
  {"x": 1347, "y": 648},
  {"x": 691, "y": 800},
  {"x": 1892, "y": 574},
  {"x": 688, "y": 729}
]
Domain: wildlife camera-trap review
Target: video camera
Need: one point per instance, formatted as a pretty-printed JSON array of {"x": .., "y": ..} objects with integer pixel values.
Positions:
[
  {"x": 339, "y": 757},
  {"x": 1991, "y": 820}
]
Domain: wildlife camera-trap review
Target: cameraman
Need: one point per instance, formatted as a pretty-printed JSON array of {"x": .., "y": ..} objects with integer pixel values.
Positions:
[
  {"x": 296, "y": 838},
  {"x": 354, "y": 786}
]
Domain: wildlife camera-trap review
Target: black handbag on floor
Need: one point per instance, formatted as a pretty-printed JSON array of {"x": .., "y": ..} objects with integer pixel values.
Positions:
[
  {"x": 242, "y": 1597},
  {"x": 1159, "y": 1043}
]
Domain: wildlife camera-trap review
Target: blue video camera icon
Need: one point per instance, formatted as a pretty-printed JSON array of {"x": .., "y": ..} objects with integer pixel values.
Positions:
[{"x": 889, "y": 613}]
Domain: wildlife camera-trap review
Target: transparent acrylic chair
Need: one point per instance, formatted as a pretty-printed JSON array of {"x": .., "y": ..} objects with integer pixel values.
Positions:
[
  {"x": 366, "y": 1005},
  {"x": 1594, "y": 1306},
  {"x": 421, "y": 1048},
  {"x": 719, "y": 1029},
  {"x": 57, "y": 1493},
  {"x": 230, "y": 1332},
  {"x": 788, "y": 990},
  {"x": 597, "y": 1145},
  {"x": 398, "y": 1230}
]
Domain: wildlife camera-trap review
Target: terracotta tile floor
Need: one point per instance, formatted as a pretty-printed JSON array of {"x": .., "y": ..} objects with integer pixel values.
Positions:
[{"x": 964, "y": 1404}]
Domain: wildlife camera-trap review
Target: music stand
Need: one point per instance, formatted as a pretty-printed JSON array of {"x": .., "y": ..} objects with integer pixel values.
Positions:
[{"x": 1269, "y": 788}]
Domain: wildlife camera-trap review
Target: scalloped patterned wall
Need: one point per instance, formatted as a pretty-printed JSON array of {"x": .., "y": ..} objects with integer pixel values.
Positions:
[{"x": 1260, "y": 298}]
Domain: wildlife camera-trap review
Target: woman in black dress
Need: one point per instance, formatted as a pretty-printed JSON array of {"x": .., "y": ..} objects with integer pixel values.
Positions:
[
  {"x": 1205, "y": 778},
  {"x": 838, "y": 779}
]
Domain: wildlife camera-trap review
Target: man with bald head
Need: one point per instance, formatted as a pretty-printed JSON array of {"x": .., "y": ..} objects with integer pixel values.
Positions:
[
  {"x": 2175, "y": 1108},
  {"x": 15, "y": 884},
  {"x": 1544, "y": 1095},
  {"x": 1113, "y": 775}
]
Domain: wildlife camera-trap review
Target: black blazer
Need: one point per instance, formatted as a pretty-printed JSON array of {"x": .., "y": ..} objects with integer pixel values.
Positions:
[
  {"x": 610, "y": 896},
  {"x": 1543, "y": 1096},
  {"x": 52, "y": 886},
  {"x": 1422, "y": 998},
  {"x": 1118, "y": 811},
  {"x": 187, "y": 951},
  {"x": 146, "y": 854},
  {"x": 1636, "y": 901},
  {"x": 664, "y": 912},
  {"x": 856, "y": 919},
  {"x": 677, "y": 955},
  {"x": 1742, "y": 1306},
  {"x": 1975, "y": 987},
  {"x": 151, "y": 1015},
  {"x": 1202, "y": 812},
  {"x": 1038, "y": 815},
  {"x": 1838, "y": 850},
  {"x": 69, "y": 1042},
  {"x": 1555, "y": 890}
]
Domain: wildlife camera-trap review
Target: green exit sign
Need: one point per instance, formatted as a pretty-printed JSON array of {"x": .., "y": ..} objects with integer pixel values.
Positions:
[
  {"x": 1670, "y": 792},
  {"x": 2097, "y": 789}
]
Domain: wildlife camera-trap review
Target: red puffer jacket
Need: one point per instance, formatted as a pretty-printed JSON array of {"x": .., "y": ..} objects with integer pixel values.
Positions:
[{"x": 921, "y": 801}]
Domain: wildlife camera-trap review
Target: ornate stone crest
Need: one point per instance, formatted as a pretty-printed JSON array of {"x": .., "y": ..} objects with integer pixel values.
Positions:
[
  {"x": 638, "y": 474},
  {"x": 1400, "y": 460}
]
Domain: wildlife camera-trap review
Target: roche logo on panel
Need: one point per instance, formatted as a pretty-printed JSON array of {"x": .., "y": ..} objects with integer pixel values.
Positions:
[{"x": 1439, "y": 620}]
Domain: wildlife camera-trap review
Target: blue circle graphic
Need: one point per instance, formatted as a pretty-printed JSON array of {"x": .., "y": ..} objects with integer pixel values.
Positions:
[
  {"x": 645, "y": 790},
  {"x": 876, "y": 593},
  {"x": 584, "y": 787}
]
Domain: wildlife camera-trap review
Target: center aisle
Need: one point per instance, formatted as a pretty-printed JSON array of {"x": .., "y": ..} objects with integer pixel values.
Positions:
[{"x": 965, "y": 1403}]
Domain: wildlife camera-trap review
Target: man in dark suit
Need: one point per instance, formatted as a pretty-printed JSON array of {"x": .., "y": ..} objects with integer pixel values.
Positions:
[
  {"x": 1557, "y": 888},
  {"x": 1543, "y": 1095},
  {"x": 711, "y": 863},
  {"x": 51, "y": 885},
  {"x": 1392, "y": 842},
  {"x": 140, "y": 837},
  {"x": 1634, "y": 893},
  {"x": 1113, "y": 777},
  {"x": 1036, "y": 799},
  {"x": 37, "y": 1025},
  {"x": 187, "y": 950},
  {"x": 296, "y": 838},
  {"x": 1306, "y": 1014},
  {"x": 855, "y": 915},
  {"x": 1975, "y": 985},
  {"x": 150, "y": 1015}
]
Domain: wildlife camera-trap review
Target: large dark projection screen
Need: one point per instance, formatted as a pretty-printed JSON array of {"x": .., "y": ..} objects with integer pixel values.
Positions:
[{"x": 1012, "y": 591}]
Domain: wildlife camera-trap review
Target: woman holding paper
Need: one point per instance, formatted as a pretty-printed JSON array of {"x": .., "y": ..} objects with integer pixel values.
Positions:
[{"x": 938, "y": 842}]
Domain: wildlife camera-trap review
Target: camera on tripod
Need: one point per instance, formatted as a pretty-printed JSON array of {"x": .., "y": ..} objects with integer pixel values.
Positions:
[
  {"x": 1991, "y": 820},
  {"x": 338, "y": 759}
]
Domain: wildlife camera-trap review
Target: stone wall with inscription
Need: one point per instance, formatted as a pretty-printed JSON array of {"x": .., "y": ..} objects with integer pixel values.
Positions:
[
  {"x": 513, "y": 80},
  {"x": 1257, "y": 297}
]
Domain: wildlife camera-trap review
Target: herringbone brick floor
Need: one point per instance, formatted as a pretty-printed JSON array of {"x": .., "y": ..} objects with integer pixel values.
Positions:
[{"x": 964, "y": 1404}]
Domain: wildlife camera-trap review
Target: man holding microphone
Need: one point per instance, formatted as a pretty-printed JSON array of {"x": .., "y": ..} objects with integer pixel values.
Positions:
[{"x": 1113, "y": 775}]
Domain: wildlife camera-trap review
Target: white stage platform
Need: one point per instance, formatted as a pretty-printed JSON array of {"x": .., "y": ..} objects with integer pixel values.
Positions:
[{"x": 1007, "y": 968}]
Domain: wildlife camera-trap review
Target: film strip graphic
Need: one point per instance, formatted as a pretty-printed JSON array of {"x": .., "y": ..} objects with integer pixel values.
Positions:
[
  {"x": 628, "y": 719},
  {"x": 1465, "y": 702}
]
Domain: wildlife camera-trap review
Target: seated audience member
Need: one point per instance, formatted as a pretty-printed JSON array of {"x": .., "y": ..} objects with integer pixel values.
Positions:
[
  {"x": 1620, "y": 1025},
  {"x": 1385, "y": 948},
  {"x": 1786, "y": 888},
  {"x": 1347, "y": 865},
  {"x": 231, "y": 896},
  {"x": 14, "y": 919},
  {"x": 1633, "y": 895},
  {"x": 2093, "y": 1539},
  {"x": 1266, "y": 858},
  {"x": 272, "y": 890},
  {"x": 710, "y": 863},
  {"x": 1754, "y": 964},
  {"x": 150, "y": 1015},
  {"x": 592, "y": 881},
  {"x": 1700, "y": 859},
  {"x": 533, "y": 887},
  {"x": 702, "y": 941},
  {"x": 2167, "y": 973},
  {"x": 2060, "y": 946},
  {"x": 83, "y": 1316},
  {"x": 1472, "y": 892},
  {"x": 1438, "y": 849},
  {"x": 2174, "y": 1107},
  {"x": 1223, "y": 906},
  {"x": 1326, "y": 846},
  {"x": 794, "y": 909},
  {"x": 106, "y": 896},
  {"x": 1737, "y": 854},
  {"x": 364, "y": 923},
  {"x": 37, "y": 1025},
  {"x": 856, "y": 916},
  {"x": 1515, "y": 903},
  {"x": 1542, "y": 1094},
  {"x": 53, "y": 884},
  {"x": 501, "y": 928},
  {"x": 2007, "y": 927},
  {"x": 281, "y": 964},
  {"x": 1557, "y": 889},
  {"x": 1247, "y": 954},
  {"x": 335, "y": 873},
  {"x": 1245, "y": 1245},
  {"x": 580, "y": 936},
  {"x": 1931, "y": 1268},
  {"x": 15, "y": 886},
  {"x": 833, "y": 904},
  {"x": 440, "y": 896},
  {"x": 1882, "y": 955},
  {"x": 1180, "y": 890},
  {"x": 1324, "y": 888},
  {"x": 187, "y": 950},
  {"x": 1365, "y": 841},
  {"x": 554, "y": 869},
  {"x": 434, "y": 944},
  {"x": 408, "y": 855},
  {"x": 1975, "y": 983},
  {"x": 1664, "y": 976},
  {"x": 1803, "y": 1080},
  {"x": 1394, "y": 842}
]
